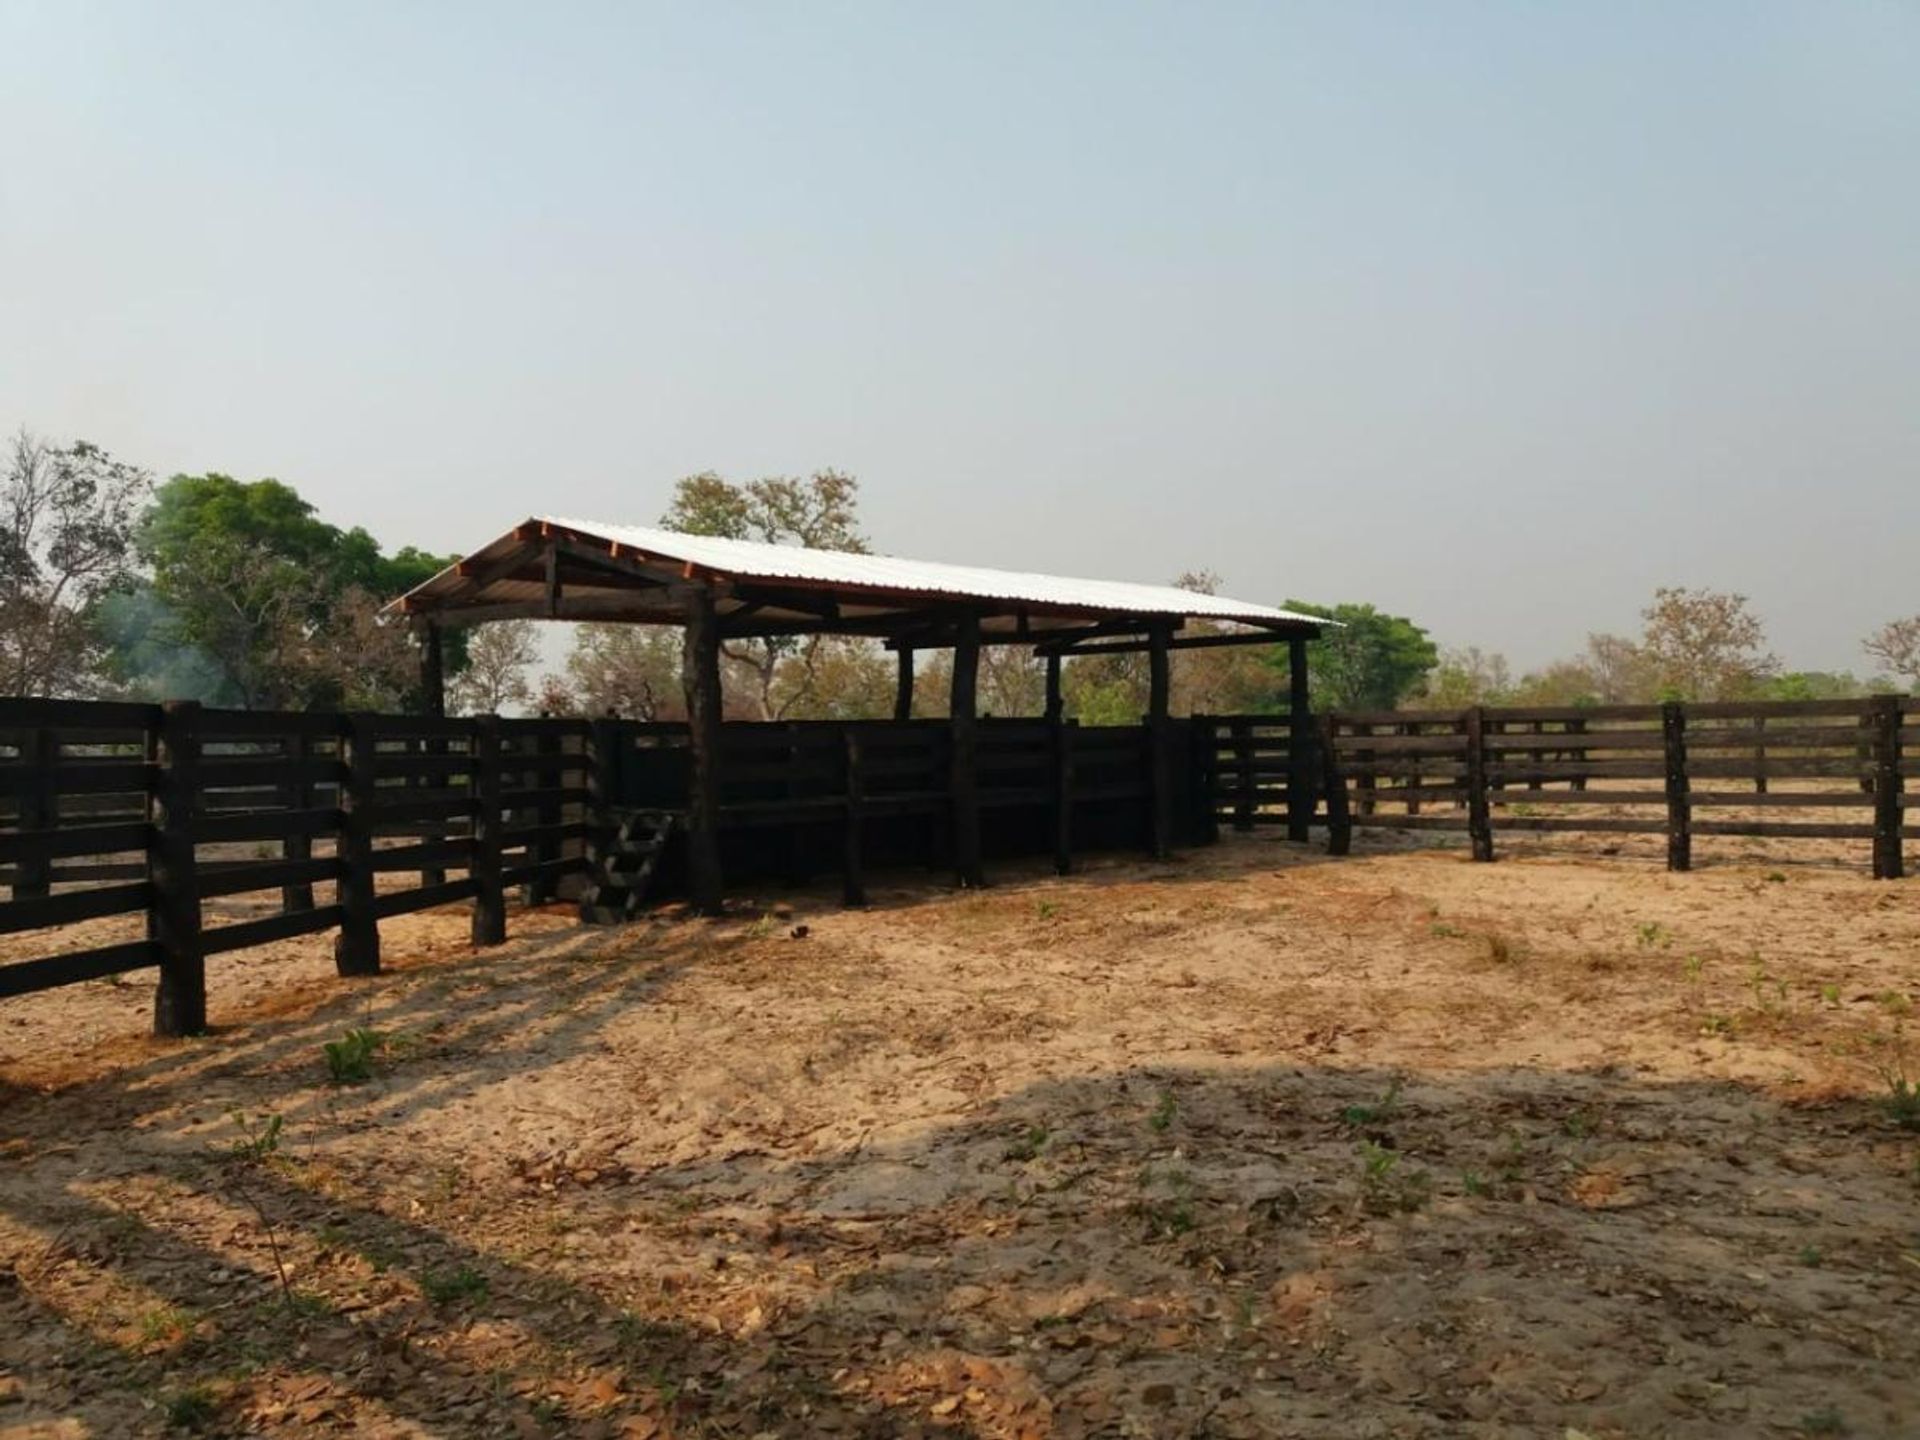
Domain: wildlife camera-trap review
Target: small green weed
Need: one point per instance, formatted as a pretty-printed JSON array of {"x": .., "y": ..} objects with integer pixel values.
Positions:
[
  {"x": 1378, "y": 1113},
  {"x": 1046, "y": 909},
  {"x": 1384, "y": 1186},
  {"x": 192, "y": 1409},
  {"x": 1776, "y": 877},
  {"x": 1830, "y": 996},
  {"x": 449, "y": 1287},
  {"x": 1162, "y": 1117},
  {"x": 1654, "y": 935},
  {"x": 1029, "y": 1145},
  {"x": 1824, "y": 1421},
  {"x": 165, "y": 1325},
  {"x": 350, "y": 1059},
  {"x": 1476, "y": 1184},
  {"x": 1810, "y": 1255},
  {"x": 1441, "y": 931}
]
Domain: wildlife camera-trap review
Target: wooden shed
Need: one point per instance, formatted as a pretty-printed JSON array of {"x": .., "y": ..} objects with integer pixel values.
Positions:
[{"x": 717, "y": 590}]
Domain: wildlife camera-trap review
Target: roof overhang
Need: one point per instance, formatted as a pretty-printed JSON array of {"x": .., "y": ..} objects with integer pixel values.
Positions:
[{"x": 559, "y": 569}]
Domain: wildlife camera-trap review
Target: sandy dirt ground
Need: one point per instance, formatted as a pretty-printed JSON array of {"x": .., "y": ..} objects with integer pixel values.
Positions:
[{"x": 1253, "y": 1143}]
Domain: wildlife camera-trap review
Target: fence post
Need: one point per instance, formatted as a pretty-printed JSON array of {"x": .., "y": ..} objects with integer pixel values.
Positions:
[
  {"x": 1339, "y": 817},
  {"x": 1299, "y": 741},
  {"x": 853, "y": 878},
  {"x": 1203, "y": 765},
  {"x": 1244, "y": 779},
  {"x": 1760, "y": 756},
  {"x": 1888, "y": 863},
  {"x": 490, "y": 896},
  {"x": 603, "y": 789},
  {"x": 173, "y": 917},
  {"x": 1063, "y": 795},
  {"x": 1479, "y": 813},
  {"x": 1364, "y": 780},
  {"x": 298, "y": 897},
  {"x": 39, "y": 752},
  {"x": 1412, "y": 780},
  {"x": 1579, "y": 753},
  {"x": 545, "y": 748},
  {"x": 356, "y": 949},
  {"x": 1673, "y": 725}
]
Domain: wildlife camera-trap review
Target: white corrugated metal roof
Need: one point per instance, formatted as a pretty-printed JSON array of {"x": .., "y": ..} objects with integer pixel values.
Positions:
[{"x": 755, "y": 560}]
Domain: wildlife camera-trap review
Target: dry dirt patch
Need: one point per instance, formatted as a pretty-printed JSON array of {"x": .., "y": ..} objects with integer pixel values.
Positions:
[{"x": 1250, "y": 1144}]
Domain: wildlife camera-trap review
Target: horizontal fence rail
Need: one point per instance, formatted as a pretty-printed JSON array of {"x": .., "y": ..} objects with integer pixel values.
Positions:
[
  {"x": 1814, "y": 770},
  {"x": 140, "y": 838},
  {"x": 140, "y": 816}
]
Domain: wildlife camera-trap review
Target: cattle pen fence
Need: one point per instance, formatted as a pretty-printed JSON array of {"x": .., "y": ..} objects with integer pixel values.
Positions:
[
  {"x": 1793, "y": 770},
  {"x": 155, "y": 837}
]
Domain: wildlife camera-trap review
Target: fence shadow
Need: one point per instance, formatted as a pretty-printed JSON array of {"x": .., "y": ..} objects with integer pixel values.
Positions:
[{"x": 1203, "y": 1249}]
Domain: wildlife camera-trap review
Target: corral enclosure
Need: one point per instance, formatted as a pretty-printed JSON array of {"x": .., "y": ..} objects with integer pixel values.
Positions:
[{"x": 154, "y": 812}]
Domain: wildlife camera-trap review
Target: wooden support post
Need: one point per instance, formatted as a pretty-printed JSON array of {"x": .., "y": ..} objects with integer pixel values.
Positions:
[
  {"x": 1363, "y": 780},
  {"x": 1062, "y": 735},
  {"x": 1299, "y": 742},
  {"x": 1534, "y": 757},
  {"x": 853, "y": 872},
  {"x": 1673, "y": 725},
  {"x": 39, "y": 752},
  {"x": 490, "y": 896},
  {"x": 1245, "y": 786},
  {"x": 173, "y": 918},
  {"x": 433, "y": 670},
  {"x": 356, "y": 949},
  {"x": 799, "y": 843},
  {"x": 903, "y": 685},
  {"x": 700, "y": 677},
  {"x": 1479, "y": 812},
  {"x": 1056, "y": 700},
  {"x": 1760, "y": 757},
  {"x": 1160, "y": 752},
  {"x": 298, "y": 897},
  {"x": 964, "y": 726},
  {"x": 1412, "y": 781},
  {"x": 1578, "y": 727},
  {"x": 1888, "y": 862},
  {"x": 603, "y": 795},
  {"x": 433, "y": 702},
  {"x": 542, "y": 888},
  {"x": 1334, "y": 783},
  {"x": 1203, "y": 765}
]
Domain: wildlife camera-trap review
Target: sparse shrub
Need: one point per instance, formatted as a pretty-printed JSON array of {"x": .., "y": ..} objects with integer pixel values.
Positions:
[
  {"x": 1775, "y": 877},
  {"x": 1824, "y": 1421},
  {"x": 1441, "y": 931},
  {"x": 1653, "y": 934},
  {"x": 1046, "y": 909},
  {"x": 350, "y": 1059}
]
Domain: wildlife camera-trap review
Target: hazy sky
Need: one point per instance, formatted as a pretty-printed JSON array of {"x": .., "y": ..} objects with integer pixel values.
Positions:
[{"x": 1497, "y": 315}]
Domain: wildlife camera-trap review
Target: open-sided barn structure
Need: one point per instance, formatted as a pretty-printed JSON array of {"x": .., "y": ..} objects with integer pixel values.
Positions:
[{"x": 718, "y": 590}]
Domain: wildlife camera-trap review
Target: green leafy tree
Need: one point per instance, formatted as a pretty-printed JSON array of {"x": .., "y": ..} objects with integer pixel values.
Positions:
[
  {"x": 284, "y": 606},
  {"x": 1370, "y": 661}
]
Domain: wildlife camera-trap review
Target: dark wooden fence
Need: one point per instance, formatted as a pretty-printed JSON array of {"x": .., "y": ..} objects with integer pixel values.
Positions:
[
  {"x": 146, "y": 814},
  {"x": 149, "y": 812},
  {"x": 1813, "y": 770}
]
